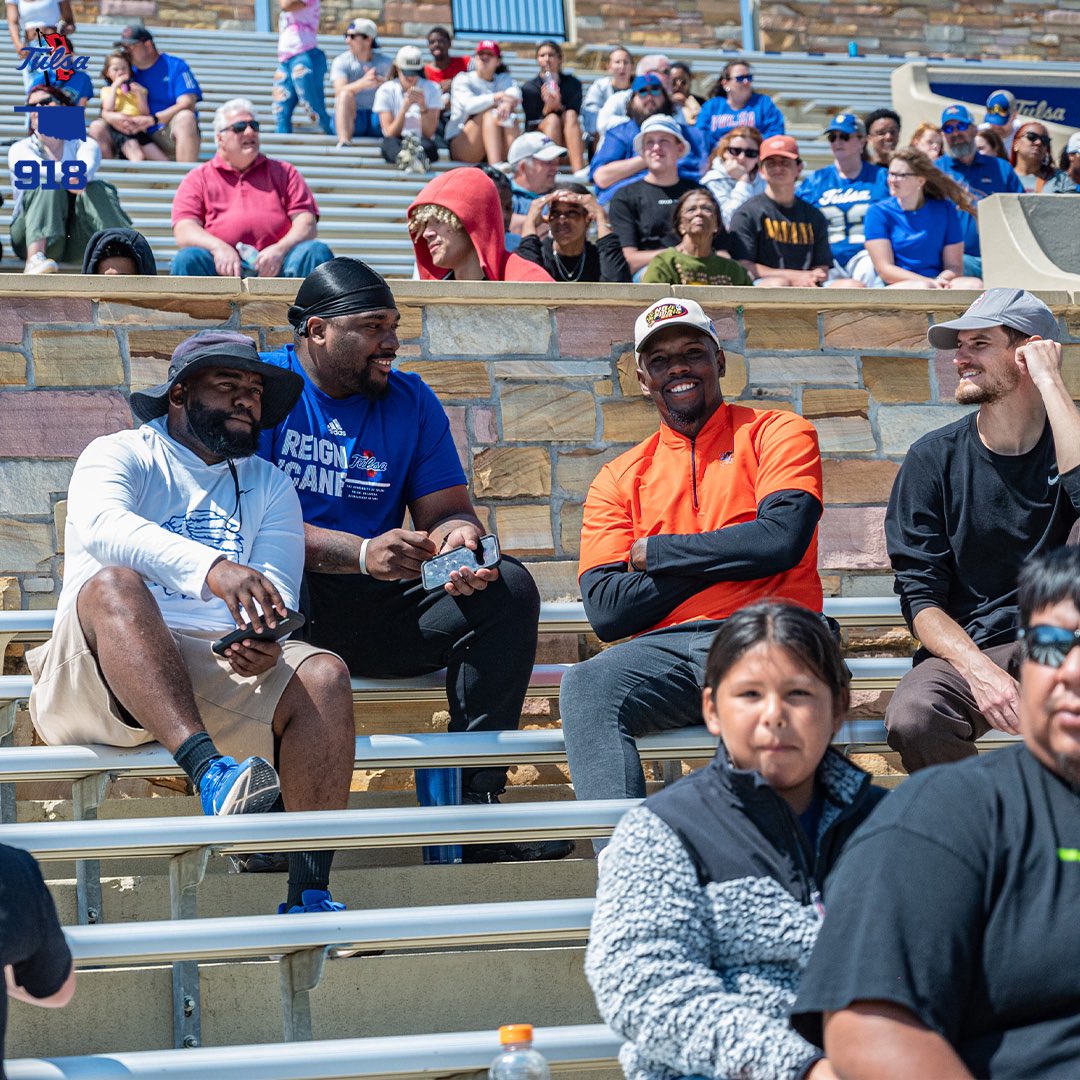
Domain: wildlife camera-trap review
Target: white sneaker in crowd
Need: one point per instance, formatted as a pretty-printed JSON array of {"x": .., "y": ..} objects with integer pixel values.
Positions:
[{"x": 40, "y": 263}]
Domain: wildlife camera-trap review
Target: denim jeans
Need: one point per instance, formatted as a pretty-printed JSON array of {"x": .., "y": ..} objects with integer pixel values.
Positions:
[
  {"x": 301, "y": 260},
  {"x": 300, "y": 81},
  {"x": 650, "y": 683}
]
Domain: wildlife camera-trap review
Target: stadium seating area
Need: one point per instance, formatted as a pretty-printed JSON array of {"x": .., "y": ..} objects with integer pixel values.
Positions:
[{"x": 126, "y": 869}]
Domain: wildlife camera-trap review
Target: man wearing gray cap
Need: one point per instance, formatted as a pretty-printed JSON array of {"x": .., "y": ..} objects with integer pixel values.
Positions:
[
  {"x": 176, "y": 536},
  {"x": 972, "y": 500}
]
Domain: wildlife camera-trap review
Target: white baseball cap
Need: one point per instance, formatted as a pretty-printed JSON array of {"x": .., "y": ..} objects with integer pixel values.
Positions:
[
  {"x": 409, "y": 59},
  {"x": 667, "y": 124},
  {"x": 1073, "y": 145},
  {"x": 534, "y": 144},
  {"x": 363, "y": 26},
  {"x": 671, "y": 311}
]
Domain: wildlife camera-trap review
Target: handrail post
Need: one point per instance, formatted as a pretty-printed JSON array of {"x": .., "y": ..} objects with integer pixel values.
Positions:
[
  {"x": 300, "y": 974},
  {"x": 86, "y": 795},
  {"x": 185, "y": 873}
]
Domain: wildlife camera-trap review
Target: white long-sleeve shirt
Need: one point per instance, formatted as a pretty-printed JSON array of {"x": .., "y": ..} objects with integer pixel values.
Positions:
[
  {"x": 84, "y": 150},
  {"x": 140, "y": 499},
  {"x": 469, "y": 95}
]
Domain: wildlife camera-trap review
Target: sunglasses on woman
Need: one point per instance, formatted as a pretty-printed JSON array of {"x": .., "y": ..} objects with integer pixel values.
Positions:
[
  {"x": 843, "y": 136},
  {"x": 1031, "y": 136},
  {"x": 1047, "y": 645},
  {"x": 242, "y": 125},
  {"x": 743, "y": 78},
  {"x": 742, "y": 151}
]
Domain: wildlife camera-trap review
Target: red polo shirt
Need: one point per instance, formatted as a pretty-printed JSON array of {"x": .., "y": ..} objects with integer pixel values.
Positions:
[{"x": 255, "y": 206}]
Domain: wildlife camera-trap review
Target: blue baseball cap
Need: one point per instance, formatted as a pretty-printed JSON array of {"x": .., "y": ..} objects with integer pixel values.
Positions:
[
  {"x": 999, "y": 107},
  {"x": 848, "y": 123},
  {"x": 956, "y": 113},
  {"x": 645, "y": 82}
]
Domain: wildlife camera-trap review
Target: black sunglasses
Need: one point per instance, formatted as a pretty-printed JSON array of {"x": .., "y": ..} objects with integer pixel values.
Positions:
[
  {"x": 832, "y": 136},
  {"x": 739, "y": 151},
  {"x": 366, "y": 37},
  {"x": 242, "y": 125},
  {"x": 652, "y": 91},
  {"x": 1031, "y": 136},
  {"x": 1047, "y": 645},
  {"x": 743, "y": 78}
]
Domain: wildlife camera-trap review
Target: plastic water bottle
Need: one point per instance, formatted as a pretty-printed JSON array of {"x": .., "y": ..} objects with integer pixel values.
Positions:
[
  {"x": 518, "y": 1060},
  {"x": 248, "y": 254}
]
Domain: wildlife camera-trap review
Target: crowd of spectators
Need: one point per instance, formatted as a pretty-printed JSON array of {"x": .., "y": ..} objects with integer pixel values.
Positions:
[{"x": 548, "y": 132}]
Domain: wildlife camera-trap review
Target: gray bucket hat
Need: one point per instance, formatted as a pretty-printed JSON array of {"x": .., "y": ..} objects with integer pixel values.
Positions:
[
  {"x": 1015, "y": 308},
  {"x": 223, "y": 349}
]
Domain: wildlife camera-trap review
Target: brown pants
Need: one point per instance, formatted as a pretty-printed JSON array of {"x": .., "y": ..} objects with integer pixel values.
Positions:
[{"x": 932, "y": 718}]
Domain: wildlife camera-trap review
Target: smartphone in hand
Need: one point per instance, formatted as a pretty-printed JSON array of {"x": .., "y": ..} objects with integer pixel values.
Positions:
[{"x": 436, "y": 572}]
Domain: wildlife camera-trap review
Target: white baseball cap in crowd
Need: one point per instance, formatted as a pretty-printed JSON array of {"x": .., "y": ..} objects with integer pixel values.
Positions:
[
  {"x": 409, "y": 60},
  {"x": 534, "y": 144},
  {"x": 662, "y": 123},
  {"x": 671, "y": 311},
  {"x": 363, "y": 26},
  {"x": 1073, "y": 145}
]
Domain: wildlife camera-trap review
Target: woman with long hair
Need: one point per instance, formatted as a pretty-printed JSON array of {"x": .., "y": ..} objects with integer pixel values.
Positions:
[
  {"x": 1033, "y": 159},
  {"x": 733, "y": 103},
  {"x": 620, "y": 74},
  {"x": 988, "y": 141},
  {"x": 928, "y": 138},
  {"x": 552, "y": 103},
  {"x": 915, "y": 237},
  {"x": 733, "y": 175},
  {"x": 692, "y": 261},
  {"x": 709, "y": 895},
  {"x": 483, "y": 101}
]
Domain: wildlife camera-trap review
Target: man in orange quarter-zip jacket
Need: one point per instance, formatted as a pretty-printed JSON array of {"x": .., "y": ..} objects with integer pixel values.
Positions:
[{"x": 718, "y": 509}]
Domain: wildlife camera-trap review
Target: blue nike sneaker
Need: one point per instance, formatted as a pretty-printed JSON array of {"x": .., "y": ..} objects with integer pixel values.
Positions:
[
  {"x": 312, "y": 900},
  {"x": 250, "y": 787}
]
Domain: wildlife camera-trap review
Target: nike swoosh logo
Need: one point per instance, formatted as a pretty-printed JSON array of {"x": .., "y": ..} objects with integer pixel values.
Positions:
[{"x": 1052, "y": 480}]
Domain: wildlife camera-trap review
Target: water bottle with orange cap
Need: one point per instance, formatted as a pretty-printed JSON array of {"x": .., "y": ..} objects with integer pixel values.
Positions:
[{"x": 519, "y": 1060}]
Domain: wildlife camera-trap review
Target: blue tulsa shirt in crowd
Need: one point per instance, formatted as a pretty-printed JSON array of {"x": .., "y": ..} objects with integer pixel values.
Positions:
[
  {"x": 166, "y": 80},
  {"x": 984, "y": 176},
  {"x": 844, "y": 203},
  {"x": 917, "y": 236},
  {"x": 358, "y": 463},
  {"x": 717, "y": 117}
]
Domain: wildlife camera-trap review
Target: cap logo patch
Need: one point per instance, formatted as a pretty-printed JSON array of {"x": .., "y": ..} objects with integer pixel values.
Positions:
[{"x": 664, "y": 311}]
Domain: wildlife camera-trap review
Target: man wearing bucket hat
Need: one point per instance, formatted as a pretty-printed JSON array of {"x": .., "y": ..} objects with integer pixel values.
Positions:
[
  {"x": 971, "y": 501},
  {"x": 716, "y": 510},
  {"x": 641, "y": 212},
  {"x": 176, "y": 536}
]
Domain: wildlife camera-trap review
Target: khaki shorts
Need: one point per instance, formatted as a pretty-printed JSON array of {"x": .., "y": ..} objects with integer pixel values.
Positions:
[
  {"x": 71, "y": 704},
  {"x": 166, "y": 140}
]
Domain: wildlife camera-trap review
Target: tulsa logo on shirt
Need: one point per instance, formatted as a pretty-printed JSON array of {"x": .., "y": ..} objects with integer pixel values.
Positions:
[{"x": 325, "y": 467}]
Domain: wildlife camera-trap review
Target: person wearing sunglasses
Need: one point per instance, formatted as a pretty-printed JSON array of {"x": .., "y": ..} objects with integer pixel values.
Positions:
[
  {"x": 733, "y": 103},
  {"x": 357, "y": 74},
  {"x": 971, "y": 501},
  {"x": 1033, "y": 159},
  {"x": 977, "y": 173},
  {"x": 733, "y": 177},
  {"x": 965, "y": 967},
  {"x": 616, "y": 108},
  {"x": 1002, "y": 116},
  {"x": 242, "y": 214},
  {"x": 844, "y": 192}
]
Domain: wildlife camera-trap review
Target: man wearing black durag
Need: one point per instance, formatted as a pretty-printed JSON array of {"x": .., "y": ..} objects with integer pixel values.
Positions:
[{"x": 364, "y": 444}]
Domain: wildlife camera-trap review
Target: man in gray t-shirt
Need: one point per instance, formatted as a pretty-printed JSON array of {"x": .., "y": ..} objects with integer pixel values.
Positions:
[{"x": 356, "y": 75}]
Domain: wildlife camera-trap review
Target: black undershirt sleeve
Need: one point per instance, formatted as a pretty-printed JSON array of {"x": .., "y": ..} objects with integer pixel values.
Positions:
[
  {"x": 620, "y": 602},
  {"x": 613, "y": 264}
]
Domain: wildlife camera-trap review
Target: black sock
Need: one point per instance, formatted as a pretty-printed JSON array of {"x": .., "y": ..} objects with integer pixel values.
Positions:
[
  {"x": 195, "y": 755},
  {"x": 308, "y": 870}
]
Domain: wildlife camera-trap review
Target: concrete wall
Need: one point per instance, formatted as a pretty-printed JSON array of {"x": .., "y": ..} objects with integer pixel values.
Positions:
[
  {"x": 538, "y": 383},
  {"x": 1010, "y": 29}
]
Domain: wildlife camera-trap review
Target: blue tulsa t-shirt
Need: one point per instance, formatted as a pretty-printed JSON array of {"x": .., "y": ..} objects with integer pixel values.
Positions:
[
  {"x": 917, "y": 236},
  {"x": 845, "y": 203},
  {"x": 358, "y": 463},
  {"x": 166, "y": 80},
  {"x": 717, "y": 117}
]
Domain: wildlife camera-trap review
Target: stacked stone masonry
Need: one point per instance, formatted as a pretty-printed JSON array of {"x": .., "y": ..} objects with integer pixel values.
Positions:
[{"x": 1012, "y": 29}]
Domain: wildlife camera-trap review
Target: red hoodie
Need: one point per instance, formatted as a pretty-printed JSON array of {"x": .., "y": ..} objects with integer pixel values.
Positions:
[{"x": 473, "y": 197}]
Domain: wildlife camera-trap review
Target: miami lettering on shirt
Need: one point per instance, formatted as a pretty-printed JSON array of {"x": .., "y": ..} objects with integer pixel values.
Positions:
[{"x": 782, "y": 231}]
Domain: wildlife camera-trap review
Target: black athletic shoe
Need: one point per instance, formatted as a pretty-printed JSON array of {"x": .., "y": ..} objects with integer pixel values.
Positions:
[
  {"x": 506, "y": 851},
  {"x": 269, "y": 862}
]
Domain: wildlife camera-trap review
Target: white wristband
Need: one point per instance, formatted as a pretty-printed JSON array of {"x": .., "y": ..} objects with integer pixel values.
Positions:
[{"x": 363, "y": 556}]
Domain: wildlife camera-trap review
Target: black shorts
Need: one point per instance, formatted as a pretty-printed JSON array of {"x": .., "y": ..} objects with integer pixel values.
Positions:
[{"x": 119, "y": 138}]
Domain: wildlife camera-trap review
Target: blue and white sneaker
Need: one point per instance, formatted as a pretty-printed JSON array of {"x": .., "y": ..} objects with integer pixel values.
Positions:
[
  {"x": 250, "y": 787},
  {"x": 312, "y": 900}
]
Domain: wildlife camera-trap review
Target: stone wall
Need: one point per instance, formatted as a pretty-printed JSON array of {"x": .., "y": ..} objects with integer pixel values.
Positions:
[{"x": 538, "y": 384}]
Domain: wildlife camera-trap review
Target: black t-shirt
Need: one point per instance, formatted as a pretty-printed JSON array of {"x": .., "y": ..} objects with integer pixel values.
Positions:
[
  {"x": 962, "y": 519},
  {"x": 533, "y": 103},
  {"x": 957, "y": 900},
  {"x": 604, "y": 260},
  {"x": 31, "y": 939},
  {"x": 641, "y": 214},
  {"x": 792, "y": 237}
]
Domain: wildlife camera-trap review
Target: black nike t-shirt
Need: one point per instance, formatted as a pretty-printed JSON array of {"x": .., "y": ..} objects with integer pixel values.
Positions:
[
  {"x": 641, "y": 214},
  {"x": 957, "y": 900},
  {"x": 962, "y": 520}
]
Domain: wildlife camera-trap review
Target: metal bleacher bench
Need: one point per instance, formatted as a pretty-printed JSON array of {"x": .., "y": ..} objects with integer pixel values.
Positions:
[{"x": 570, "y": 1051}]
